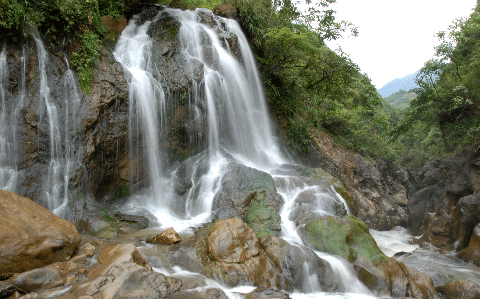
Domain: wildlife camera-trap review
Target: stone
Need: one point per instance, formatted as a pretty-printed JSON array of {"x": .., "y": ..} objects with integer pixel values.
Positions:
[
  {"x": 348, "y": 237},
  {"x": 93, "y": 219},
  {"x": 88, "y": 249},
  {"x": 460, "y": 289},
  {"x": 168, "y": 237},
  {"x": 70, "y": 279},
  {"x": 232, "y": 241},
  {"x": 123, "y": 271},
  {"x": 79, "y": 259},
  {"x": 472, "y": 252},
  {"x": 38, "y": 279},
  {"x": 267, "y": 294},
  {"x": 240, "y": 186},
  {"x": 31, "y": 236}
]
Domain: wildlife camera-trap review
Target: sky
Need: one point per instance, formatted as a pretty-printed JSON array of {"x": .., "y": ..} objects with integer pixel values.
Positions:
[{"x": 395, "y": 37}]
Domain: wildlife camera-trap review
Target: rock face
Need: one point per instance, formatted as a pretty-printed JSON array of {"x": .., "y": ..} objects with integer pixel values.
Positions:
[
  {"x": 380, "y": 195},
  {"x": 452, "y": 211},
  {"x": 31, "y": 236}
]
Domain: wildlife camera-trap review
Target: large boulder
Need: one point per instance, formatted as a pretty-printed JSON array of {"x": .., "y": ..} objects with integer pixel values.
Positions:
[
  {"x": 241, "y": 186},
  {"x": 123, "y": 271},
  {"x": 234, "y": 253},
  {"x": 350, "y": 238},
  {"x": 31, "y": 236}
]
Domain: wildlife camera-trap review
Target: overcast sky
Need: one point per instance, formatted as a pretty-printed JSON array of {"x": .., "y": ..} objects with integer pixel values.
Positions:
[{"x": 395, "y": 37}]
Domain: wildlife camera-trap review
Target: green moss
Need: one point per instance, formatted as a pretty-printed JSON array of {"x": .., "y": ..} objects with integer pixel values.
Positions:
[
  {"x": 259, "y": 217},
  {"x": 348, "y": 237}
]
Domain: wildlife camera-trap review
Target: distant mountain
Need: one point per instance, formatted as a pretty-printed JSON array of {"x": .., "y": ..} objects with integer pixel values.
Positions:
[
  {"x": 401, "y": 98},
  {"x": 405, "y": 83}
]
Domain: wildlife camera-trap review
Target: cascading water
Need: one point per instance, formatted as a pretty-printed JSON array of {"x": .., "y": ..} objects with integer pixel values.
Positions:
[
  {"x": 8, "y": 124},
  {"x": 237, "y": 119},
  {"x": 7, "y": 169},
  {"x": 238, "y": 128},
  {"x": 61, "y": 151}
]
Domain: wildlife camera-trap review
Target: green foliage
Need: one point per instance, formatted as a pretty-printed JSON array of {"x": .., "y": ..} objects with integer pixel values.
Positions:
[
  {"x": 85, "y": 57},
  {"x": 401, "y": 98},
  {"x": 447, "y": 108},
  {"x": 210, "y": 4},
  {"x": 58, "y": 17}
]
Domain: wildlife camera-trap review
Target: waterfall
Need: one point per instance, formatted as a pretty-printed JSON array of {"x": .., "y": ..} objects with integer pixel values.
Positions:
[
  {"x": 8, "y": 123},
  {"x": 62, "y": 150},
  {"x": 237, "y": 119}
]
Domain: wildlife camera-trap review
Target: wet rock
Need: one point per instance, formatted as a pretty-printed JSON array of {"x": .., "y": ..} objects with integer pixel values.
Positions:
[
  {"x": 93, "y": 219},
  {"x": 38, "y": 279},
  {"x": 267, "y": 294},
  {"x": 88, "y": 249},
  {"x": 231, "y": 252},
  {"x": 31, "y": 236},
  {"x": 231, "y": 241},
  {"x": 104, "y": 132},
  {"x": 242, "y": 185},
  {"x": 79, "y": 259},
  {"x": 123, "y": 270},
  {"x": 459, "y": 289},
  {"x": 168, "y": 237},
  {"x": 349, "y": 237},
  {"x": 472, "y": 252}
]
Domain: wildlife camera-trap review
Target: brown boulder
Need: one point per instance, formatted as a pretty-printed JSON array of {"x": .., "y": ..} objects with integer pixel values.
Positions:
[
  {"x": 31, "y": 236},
  {"x": 232, "y": 241},
  {"x": 232, "y": 253},
  {"x": 460, "y": 289},
  {"x": 168, "y": 237},
  {"x": 123, "y": 272},
  {"x": 472, "y": 252}
]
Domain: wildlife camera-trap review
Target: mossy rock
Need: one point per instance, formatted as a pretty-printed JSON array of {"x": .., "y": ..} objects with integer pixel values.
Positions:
[
  {"x": 262, "y": 220},
  {"x": 348, "y": 237},
  {"x": 322, "y": 174}
]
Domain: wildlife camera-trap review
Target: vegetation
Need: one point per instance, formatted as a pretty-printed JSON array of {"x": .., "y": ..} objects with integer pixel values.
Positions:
[
  {"x": 446, "y": 114},
  {"x": 78, "y": 18},
  {"x": 401, "y": 98},
  {"x": 308, "y": 85}
]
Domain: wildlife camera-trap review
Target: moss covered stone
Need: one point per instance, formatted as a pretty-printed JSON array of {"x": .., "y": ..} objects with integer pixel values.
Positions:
[
  {"x": 262, "y": 220},
  {"x": 348, "y": 237}
]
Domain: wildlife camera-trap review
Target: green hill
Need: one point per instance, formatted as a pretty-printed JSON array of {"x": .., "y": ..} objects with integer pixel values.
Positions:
[{"x": 401, "y": 98}]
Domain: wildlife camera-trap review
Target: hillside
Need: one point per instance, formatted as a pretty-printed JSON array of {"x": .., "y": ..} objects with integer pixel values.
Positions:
[
  {"x": 405, "y": 83},
  {"x": 401, "y": 98}
]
